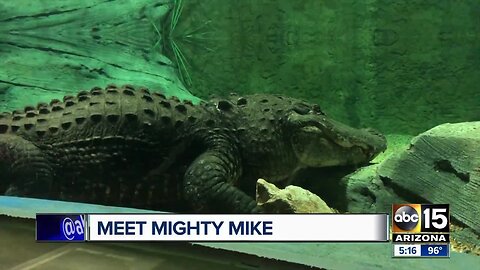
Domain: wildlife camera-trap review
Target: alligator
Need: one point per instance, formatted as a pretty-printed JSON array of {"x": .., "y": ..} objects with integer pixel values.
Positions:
[{"x": 127, "y": 146}]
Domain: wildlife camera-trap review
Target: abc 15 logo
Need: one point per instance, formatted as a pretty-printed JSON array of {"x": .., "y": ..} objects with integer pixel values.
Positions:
[{"x": 419, "y": 218}]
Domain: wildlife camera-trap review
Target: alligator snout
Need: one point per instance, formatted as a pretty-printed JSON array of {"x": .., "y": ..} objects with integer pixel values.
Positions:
[{"x": 377, "y": 141}]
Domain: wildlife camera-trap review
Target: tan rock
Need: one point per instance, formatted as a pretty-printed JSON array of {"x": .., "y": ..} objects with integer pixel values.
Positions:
[{"x": 292, "y": 199}]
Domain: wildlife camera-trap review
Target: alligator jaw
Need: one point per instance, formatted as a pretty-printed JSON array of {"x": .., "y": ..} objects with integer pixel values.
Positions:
[{"x": 322, "y": 142}]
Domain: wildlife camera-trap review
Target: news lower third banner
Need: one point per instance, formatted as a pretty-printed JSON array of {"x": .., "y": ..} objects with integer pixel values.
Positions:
[{"x": 213, "y": 227}]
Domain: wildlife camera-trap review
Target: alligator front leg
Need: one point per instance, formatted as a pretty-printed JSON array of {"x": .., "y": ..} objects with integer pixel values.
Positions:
[
  {"x": 24, "y": 170},
  {"x": 209, "y": 182}
]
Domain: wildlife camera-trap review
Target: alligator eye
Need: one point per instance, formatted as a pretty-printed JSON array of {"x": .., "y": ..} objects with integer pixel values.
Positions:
[
  {"x": 302, "y": 108},
  {"x": 316, "y": 109}
]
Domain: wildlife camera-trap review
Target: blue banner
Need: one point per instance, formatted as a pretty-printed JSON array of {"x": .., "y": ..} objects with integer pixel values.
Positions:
[
  {"x": 435, "y": 250},
  {"x": 60, "y": 228}
]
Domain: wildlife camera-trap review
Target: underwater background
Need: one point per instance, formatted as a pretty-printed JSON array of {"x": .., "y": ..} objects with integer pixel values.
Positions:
[{"x": 401, "y": 67}]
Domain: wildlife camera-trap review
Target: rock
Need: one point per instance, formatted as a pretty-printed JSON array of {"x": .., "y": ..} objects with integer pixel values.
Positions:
[
  {"x": 438, "y": 166},
  {"x": 292, "y": 199},
  {"x": 366, "y": 193},
  {"x": 441, "y": 165}
]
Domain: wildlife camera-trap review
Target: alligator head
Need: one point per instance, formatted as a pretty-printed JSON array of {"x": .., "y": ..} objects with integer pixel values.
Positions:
[{"x": 319, "y": 141}]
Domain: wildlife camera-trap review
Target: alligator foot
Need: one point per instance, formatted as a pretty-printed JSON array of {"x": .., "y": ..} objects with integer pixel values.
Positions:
[{"x": 209, "y": 183}]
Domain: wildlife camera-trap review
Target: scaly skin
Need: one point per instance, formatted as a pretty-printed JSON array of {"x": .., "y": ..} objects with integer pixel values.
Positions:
[{"x": 127, "y": 147}]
